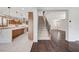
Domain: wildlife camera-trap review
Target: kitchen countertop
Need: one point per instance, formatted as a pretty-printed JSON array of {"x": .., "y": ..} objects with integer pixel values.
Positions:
[{"x": 14, "y": 27}]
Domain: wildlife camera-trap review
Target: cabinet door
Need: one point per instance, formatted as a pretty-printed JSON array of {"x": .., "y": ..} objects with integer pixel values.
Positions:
[
  {"x": 17, "y": 32},
  {"x": 30, "y": 25}
]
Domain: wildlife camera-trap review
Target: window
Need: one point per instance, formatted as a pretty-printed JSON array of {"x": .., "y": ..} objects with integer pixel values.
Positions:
[
  {"x": 4, "y": 21},
  {"x": 0, "y": 20}
]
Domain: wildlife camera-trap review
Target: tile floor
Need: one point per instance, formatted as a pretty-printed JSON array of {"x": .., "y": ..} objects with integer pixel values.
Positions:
[{"x": 20, "y": 44}]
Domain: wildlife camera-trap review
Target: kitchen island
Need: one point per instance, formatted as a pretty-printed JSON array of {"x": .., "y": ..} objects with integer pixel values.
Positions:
[{"x": 9, "y": 33}]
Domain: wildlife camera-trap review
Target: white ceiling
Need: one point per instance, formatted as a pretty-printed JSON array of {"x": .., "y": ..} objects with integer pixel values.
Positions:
[
  {"x": 15, "y": 11},
  {"x": 22, "y": 11}
]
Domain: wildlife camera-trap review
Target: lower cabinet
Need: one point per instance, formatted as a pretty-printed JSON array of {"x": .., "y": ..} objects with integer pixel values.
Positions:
[{"x": 17, "y": 32}]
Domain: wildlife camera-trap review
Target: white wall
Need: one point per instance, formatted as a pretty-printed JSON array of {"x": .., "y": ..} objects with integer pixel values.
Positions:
[
  {"x": 35, "y": 25},
  {"x": 56, "y": 19},
  {"x": 53, "y": 15},
  {"x": 73, "y": 26},
  {"x": 5, "y": 35},
  {"x": 59, "y": 24}
]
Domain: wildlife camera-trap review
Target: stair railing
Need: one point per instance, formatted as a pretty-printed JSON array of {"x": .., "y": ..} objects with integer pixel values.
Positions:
[{"x": 48, "y": 27}]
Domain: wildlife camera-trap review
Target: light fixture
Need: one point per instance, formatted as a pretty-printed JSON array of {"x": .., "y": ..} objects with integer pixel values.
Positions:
[
  {"x": 9, "y": 10},
  {"x": 43, "y": 13}
]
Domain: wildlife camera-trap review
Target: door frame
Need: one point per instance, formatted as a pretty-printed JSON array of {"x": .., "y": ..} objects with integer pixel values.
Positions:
[{"x": 67, "y": 18}]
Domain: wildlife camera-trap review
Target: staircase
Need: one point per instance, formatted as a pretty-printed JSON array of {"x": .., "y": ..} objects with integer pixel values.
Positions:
[
  {"x": 58, "y": 40},
  {"x": 43, "y": 33},
  {"x": 50, "y": 40}
]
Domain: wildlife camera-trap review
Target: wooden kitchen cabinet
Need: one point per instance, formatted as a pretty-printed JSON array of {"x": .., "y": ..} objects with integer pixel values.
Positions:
[
  {"x": 17, "y": 32},
  {"x": 30, "y": 25}
]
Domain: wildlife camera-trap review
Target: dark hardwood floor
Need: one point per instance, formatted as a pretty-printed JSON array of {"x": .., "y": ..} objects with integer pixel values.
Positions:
[
  {"x": 56, "y": 44},
  {"x": 42, "y": 46},
  {"x": 74, "y": 46},
  {"x": 46, "y": 46}
]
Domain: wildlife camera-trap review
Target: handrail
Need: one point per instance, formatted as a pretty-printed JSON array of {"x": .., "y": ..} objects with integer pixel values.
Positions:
[{"x": 47, "y": 25}]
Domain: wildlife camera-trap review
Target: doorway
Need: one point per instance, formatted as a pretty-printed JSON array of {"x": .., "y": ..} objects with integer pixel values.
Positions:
[{"x": 58, "y": 20}]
